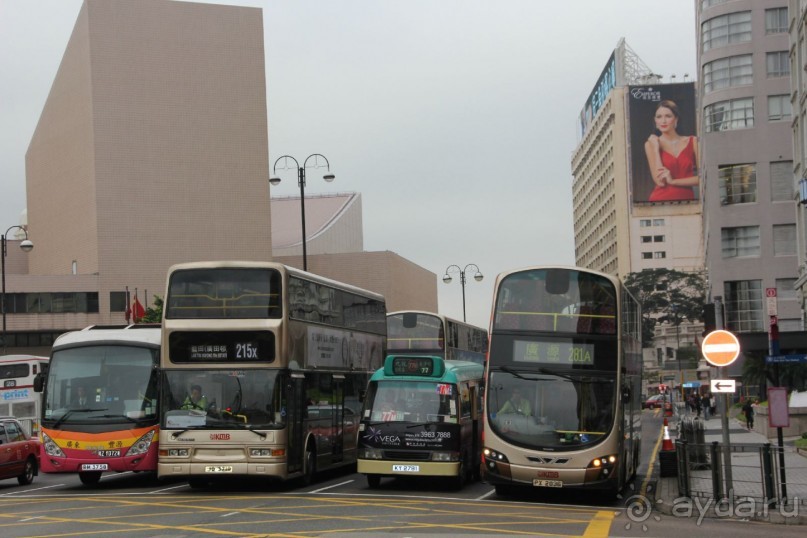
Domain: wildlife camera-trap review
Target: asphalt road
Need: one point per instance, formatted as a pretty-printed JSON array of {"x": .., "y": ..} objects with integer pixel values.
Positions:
[{"x": 338, "y": 503}]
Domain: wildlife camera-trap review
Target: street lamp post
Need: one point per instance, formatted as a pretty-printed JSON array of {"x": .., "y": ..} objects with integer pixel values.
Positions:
[
  {"x": 301, "y": 182},
  {"x": 456, "y": 269},
  {"x": 26, "y": 245},
  {"x": 677, "y": 322}
]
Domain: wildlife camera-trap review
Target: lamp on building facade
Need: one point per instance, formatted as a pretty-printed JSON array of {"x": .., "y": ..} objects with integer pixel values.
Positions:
[
  {"x": 456, "y": 269},
  {"x": 26, "y": 245},
  {"x": 301, "y": 182}
]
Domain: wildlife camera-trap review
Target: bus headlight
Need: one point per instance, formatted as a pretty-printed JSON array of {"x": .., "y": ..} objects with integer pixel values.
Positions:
[
  {"x": 494, "y": 456},
  {"x": 445, "y": 456},
  {"x": 51, "y": 449},
  {"x": 606, "y": 463},
  {"x": 370, "y": 453},
  {"x": 141, "y": 446}
]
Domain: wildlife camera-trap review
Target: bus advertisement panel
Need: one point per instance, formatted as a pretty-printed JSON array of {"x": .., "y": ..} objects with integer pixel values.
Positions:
[
  {"x": 563, "y": 381},
  {"x": 263, "y": 369},
  {"x": 422, "y": 417},
  {"x": 17, "y": 396},
  {"x": 100, "y": 402}
]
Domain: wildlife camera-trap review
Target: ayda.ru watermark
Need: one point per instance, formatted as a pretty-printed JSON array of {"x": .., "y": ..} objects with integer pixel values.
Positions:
[{"x": 639, "y": 508}]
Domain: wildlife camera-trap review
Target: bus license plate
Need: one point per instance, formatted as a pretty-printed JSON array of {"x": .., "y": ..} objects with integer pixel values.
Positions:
[
  {"x": 94, "y": 467},
  {"x": 547, "y": 483},
  {"x": 219, "y": 469},
  {"x": 108, "y": 453},
  {"x": 406, "y": 468}
]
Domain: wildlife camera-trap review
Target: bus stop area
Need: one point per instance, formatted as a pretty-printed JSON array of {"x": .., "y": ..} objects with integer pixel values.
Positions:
[{"x": 692, "y": 479}]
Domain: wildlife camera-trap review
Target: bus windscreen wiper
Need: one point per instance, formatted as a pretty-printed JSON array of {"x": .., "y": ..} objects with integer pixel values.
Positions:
[
  {"x": 71, "y": 411},
  {"x": 130, "y": 419}
]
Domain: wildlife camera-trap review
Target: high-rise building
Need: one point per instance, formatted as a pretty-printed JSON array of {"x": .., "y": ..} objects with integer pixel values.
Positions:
[
  {"x": 621, "y": 224},
  {"x": 747, "y": 167}
]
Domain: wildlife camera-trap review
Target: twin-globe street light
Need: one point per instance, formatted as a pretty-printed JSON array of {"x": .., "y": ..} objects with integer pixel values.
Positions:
[
  {"x": 26, "y": 245},
  {"x": 456, "y": 269},
  {"x": 301, "y": 182}
]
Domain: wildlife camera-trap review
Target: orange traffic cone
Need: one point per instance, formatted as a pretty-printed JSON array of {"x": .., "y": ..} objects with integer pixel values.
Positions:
[{"x": 666, "y": 443}]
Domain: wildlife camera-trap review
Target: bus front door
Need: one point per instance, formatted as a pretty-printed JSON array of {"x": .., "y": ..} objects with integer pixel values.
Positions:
[
  {"x": 337, "y": 425},
  {"x": 295, "y": 408}
]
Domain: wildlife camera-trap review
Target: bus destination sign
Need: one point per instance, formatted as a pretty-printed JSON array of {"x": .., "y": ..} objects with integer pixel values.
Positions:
[
  {"x": 423, "y": 366},
  {"x": 557, "y": 352}
]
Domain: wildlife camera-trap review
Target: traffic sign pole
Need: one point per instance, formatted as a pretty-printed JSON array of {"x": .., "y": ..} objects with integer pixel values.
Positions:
[{"x": 724, "y": 411}]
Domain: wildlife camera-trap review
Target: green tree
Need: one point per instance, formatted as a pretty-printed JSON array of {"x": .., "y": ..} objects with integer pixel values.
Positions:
[
  {"x": 154, "y": 314},
  {"x": 667, "y": 296}
]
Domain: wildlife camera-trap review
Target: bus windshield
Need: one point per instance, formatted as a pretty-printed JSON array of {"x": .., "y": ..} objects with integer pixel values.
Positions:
[
  {"x": 240, "y": 293},
  {"x": 223, "y": 399},
  {"x": 415, "y": 331},
  {"x": 103, "y": 384},
  {"x": 551, "y": 410},
  {"x": 556, "y": 300},
  {"x": 422, "y": 401}
]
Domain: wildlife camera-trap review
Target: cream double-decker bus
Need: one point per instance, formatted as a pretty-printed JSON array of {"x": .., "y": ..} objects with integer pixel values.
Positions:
[
  {"x": 263, "y": 366},
  {"x": 563, "y": 382}
]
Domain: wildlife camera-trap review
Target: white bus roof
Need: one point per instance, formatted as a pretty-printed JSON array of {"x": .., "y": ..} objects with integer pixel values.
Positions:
[
  {"x": 136, "y": 334},
  {"x": 23, "y": 358}
]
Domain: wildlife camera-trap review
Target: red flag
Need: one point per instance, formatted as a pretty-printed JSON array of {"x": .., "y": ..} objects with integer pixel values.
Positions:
[{"x": 137, "y": 310}]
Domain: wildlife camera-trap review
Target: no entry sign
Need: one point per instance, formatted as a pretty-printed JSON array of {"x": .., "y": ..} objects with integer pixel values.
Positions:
[{"x": 720, "y": 348}]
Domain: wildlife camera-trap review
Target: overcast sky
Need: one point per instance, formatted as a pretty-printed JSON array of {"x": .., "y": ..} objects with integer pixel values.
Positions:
[{"x": 454, "y": 119}]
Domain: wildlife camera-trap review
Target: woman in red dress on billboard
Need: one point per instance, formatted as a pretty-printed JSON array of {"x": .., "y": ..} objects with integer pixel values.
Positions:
[{"x": 673, "y": 159}]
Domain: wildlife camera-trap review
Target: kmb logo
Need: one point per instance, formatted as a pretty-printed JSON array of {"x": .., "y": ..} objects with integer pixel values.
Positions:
[{"x": 219, "y": 436}]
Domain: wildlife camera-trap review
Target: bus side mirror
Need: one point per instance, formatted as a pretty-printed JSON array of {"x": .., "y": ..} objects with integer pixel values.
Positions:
[{"x": 39, "y": 382}]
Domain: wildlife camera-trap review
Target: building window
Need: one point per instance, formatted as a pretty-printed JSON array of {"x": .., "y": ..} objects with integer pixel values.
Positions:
[
  {"x": 658, "y": 238},
  {"x": 776, "y": 20},
  {"x": 709, "y": 3},
  {"x": 743, "y": 300},
  {"x": 730, "y": 115},
  {"x": 739, "y": 242},
  {"x": 784, "y": 240},
  {"x": 786, "y": 288},
  {"x": 31, "y": 339},
  {"x": 779, "y": 108},
  {"x": 659, "y": 255},
  {"x": 778, "y": 64},
  {"x": 658, "y": 222},
  {"x": 52, "y": 303},
  {"x": 645, "y": 223},
  {"x": 782, "y": 181},
  {"x": 738, "y": 184},
  {"x": 117, "y": 301},
  {"x": 647, "y": 255},
  {"x": 727, "y": 73},
  {"x": 647, "y": 239},
  {"x": 726, "y": 30}
]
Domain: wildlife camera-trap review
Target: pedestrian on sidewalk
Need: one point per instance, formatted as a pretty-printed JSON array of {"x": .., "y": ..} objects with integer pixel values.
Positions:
[
  {"x": 706, "y": 405},
  {"x": 748, "y": 410},
  {"x": 713, "y": 405}
]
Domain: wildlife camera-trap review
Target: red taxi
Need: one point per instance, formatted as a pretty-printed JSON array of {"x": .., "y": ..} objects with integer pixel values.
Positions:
[{"x": 19, "y": 453}]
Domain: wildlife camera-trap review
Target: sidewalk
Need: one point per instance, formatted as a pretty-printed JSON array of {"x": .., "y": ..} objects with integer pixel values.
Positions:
[{"x": 747, "y": 480}]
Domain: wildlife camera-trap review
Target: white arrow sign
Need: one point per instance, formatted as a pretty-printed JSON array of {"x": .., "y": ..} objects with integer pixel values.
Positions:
[{"x": 724, "y": 385}]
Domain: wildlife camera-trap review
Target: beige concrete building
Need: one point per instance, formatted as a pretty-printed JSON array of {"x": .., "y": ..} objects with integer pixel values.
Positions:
[{"x": 152, "y": 149}]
